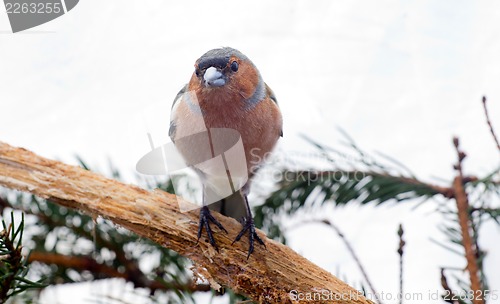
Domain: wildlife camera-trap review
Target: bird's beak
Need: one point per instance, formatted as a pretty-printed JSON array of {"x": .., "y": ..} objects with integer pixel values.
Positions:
[{"x": 214, "y": 77}]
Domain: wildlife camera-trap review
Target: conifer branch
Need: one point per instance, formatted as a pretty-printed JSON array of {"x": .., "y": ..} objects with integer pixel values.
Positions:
[{"x": 275, "y": 275}]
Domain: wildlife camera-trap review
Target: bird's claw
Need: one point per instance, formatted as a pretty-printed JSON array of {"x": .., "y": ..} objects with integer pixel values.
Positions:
[
  {"x": 205, "y": 218},
  {"x": 248, "y": 225}
]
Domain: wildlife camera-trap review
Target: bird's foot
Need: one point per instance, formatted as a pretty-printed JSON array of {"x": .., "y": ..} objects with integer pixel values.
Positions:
[
  {"x": 248, "y": 225},
  {"x": 205, "y": 218}
]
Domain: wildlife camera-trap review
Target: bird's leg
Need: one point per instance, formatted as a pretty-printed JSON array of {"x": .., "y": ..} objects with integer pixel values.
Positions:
[
  {"x": 205, "y": 218},
  {"x": 248, "y": 225}
]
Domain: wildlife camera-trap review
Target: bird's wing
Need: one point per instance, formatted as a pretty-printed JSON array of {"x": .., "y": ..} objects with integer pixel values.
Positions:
[
  {"x": 171, "y": 130},
  {"x": 271, "y": 95}
]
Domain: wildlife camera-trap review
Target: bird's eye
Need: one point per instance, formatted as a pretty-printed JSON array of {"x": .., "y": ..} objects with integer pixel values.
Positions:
[
  {"x": 197, "y": 71},
  {"x": 234, "y": 66}
]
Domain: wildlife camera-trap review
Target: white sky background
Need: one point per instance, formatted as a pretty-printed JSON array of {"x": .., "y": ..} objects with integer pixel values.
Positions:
[{"x": 401, "y": 77}]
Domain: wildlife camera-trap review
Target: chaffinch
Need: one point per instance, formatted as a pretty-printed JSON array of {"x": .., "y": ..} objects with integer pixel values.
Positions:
[{"x": 226, "y": 91}]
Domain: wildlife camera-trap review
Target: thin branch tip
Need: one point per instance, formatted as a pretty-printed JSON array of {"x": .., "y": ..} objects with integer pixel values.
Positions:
[{"x": 490, "y": 125}]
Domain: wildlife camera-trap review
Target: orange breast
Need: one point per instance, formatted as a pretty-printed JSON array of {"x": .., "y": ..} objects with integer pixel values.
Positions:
[{"x": 260, "y": 127}]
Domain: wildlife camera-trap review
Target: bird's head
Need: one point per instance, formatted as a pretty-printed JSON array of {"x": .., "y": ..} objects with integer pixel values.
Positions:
[{"x": 226, "y": 70}]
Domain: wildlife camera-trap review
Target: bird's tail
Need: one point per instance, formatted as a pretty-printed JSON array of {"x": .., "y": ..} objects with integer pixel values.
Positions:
[{"x": 233, "y": 206}]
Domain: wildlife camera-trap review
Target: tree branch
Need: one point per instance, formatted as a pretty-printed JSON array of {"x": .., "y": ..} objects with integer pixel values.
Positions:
[
  {"x": 402, "y": 244},
  {"x": 356, "y": 259},
  {"x": 81, "y": 263},
  {"x": 450, "y": 296},
  {"x": 269, "y": 276},
  {"x": 488, "y": 121},
  {"x": 445, "y": 191},
  {"x": 464, "y": 221}
]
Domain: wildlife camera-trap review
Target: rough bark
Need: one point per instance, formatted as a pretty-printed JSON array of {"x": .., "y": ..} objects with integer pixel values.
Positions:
[{"x": 270, "y": 275}]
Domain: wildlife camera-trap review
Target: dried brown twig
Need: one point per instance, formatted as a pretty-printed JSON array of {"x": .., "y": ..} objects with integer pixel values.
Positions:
[
  {"x": 450, "y": 296},
  {"x": 353, "y": 254},
  {"x": 488, "y": 121},
  {"x": 462, "y": 201},
  {"x": 139, "y": 279},
  {"x": 401, "y": 246}
]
